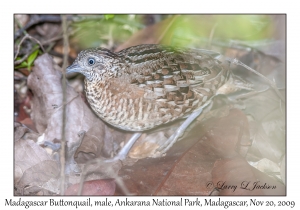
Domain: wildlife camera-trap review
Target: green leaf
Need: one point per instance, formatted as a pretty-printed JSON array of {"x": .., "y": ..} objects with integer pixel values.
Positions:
[
  {"x": 22, "y": 65},
  {"x": 109, "y": 17},
  {"x": 32, "y": 57}
]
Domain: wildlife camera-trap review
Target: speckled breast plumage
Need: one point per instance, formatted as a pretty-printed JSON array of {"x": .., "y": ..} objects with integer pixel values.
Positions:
[{"x": 145, "y": 86}]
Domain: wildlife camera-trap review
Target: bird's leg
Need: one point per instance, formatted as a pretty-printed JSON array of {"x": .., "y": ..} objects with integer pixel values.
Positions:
[
  {"x": 172, "y": 139},
  {"x": 125, "y": 150}
]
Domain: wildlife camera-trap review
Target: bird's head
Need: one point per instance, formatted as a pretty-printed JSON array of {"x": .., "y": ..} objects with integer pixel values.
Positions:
[{"x": 96, "y": 64}]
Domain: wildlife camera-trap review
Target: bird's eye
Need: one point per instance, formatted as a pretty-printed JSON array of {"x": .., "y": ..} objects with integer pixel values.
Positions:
[{"x": 91, "y": 61}]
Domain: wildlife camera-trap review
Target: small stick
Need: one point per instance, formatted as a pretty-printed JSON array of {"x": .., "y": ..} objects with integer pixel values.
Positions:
[
  {"x": 18, "y": 48},
  {"x": 25, "y": 56},
  {"x": 64, "y": 87},
  {"x": 27, "y": 36}
]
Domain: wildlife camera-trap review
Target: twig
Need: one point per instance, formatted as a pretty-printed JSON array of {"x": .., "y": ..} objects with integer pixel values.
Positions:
[
  {"x": 27, "y": 36},
  {"x": 49, "y": 41},
  {"x": 269, "y": 82},
  {"x": 211, "y": 35},
  {"x": 18, "y": 48},
  {"x": 52, "y": 39},
  {"x": 20, "y": 26},
  {"x": 35, "y": 19},
  {"x": 25, "y": 56},
  {"x": 37, "y": 41},
  {"x": 58, "y": 37},
  {"x": 41, "y": 44},
  {"x": 63, "y": 137}
]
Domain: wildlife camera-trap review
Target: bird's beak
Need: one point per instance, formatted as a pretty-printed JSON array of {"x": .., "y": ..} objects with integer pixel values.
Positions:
[{"x": 74, "y": 68}]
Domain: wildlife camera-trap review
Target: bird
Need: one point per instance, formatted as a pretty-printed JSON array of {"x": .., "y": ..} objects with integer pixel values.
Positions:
[{"x": 145, "y": 86}]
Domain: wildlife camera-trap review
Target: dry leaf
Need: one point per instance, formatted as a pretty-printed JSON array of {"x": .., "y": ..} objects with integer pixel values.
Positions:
[
  {"x": 93, "y": 187},
  {"x": 33, "y": 166}
]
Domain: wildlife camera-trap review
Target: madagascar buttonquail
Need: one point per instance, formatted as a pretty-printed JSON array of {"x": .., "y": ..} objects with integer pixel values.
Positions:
[{"x": 142, "y": 87}]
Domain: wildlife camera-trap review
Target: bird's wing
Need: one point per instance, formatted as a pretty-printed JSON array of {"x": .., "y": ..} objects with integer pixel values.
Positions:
[{"x": 165, "y": 65}]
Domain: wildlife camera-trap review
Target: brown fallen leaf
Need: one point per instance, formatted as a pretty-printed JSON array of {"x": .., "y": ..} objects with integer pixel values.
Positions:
[
  {"x": 229, "y": 135},
  {"x": 33, "y": 166},
  {"x": 94, "y": 187},
  {"x": 29, "y": 123}
]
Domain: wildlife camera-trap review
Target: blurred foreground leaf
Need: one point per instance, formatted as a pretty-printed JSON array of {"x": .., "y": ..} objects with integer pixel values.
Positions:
[{"x": 109, "y": 16}]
